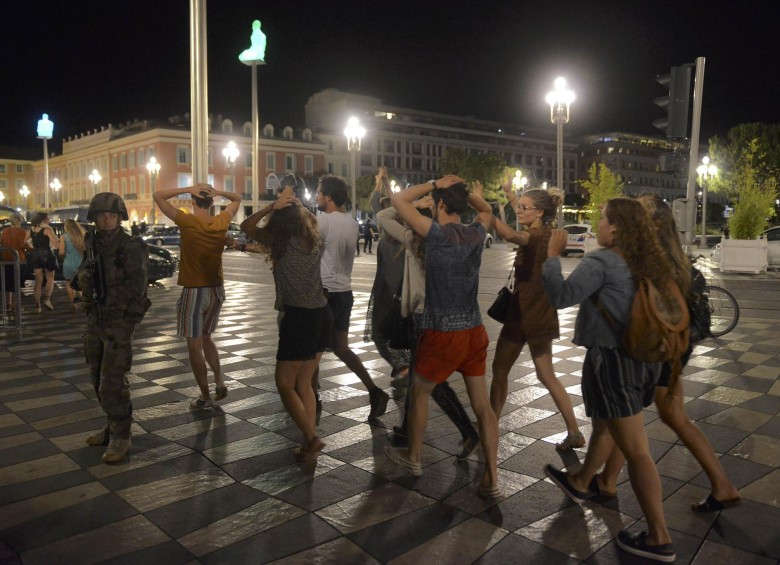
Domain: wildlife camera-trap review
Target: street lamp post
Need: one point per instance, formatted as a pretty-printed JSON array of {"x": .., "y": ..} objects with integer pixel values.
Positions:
[
  {"x": 45, "y": 132},
  {"x": 153, "y": 166},
  {"x": 25, "y": 192},
  {"x": 354, "y": 132},
  {"x": 559, "y": 100},
  {"x": 519, "y": 182},
  {"x": 95, "y": 178},
  {"x": 56, "y": 185},
  {"x": 706, "y": 172},
  {"x": 231, "y": 153}
]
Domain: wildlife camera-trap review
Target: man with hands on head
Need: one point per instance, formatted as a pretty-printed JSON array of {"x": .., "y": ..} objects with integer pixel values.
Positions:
[
  {"x": 453, "y": 337},
  {"x": 200, "y": 275}
]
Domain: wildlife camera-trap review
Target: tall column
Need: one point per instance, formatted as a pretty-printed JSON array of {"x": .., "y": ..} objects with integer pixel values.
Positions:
[{"x": 199, "y": 92}]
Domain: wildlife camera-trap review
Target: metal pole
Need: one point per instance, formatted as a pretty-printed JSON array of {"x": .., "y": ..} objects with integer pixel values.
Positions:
[
  {"x": 703, "y": 241},
  {"x": 559, "y": 119},
  {"x": 353, "y": 174},
  {"x": 154, "y": 206},
  {"x": 255, "y": 142},
  {"x": 199, "y": 92},
  {"x": 693, "y": 159},
  {"x": 46, "y": 173}
]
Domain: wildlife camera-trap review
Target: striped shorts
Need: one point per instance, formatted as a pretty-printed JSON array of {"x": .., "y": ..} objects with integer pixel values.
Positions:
[
  {"x": 198, "y": 310},
  {"x": 616, "y": 386}
]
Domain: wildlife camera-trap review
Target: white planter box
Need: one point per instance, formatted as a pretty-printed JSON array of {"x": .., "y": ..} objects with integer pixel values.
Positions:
[{"x": 743, "y": 256}]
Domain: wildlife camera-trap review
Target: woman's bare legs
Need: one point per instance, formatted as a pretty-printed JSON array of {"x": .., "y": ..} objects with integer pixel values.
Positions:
[
  {"x": 672, "y": 410},
  {"x": 38, "y": 287},
  {"x": 541, "y": 354},
  {"x": 293, "y": 380},
  {"x": 507, "y": 353}
]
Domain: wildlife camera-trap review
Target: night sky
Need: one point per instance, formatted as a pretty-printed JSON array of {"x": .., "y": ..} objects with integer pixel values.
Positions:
[{"x": 88, "y": 63}]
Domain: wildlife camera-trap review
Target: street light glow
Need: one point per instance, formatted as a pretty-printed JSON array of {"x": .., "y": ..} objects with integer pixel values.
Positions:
[
  {"x": 153, "y": 166},
  {"x": 230, "y": 153},
  {"x": 354, "y": 132},
  {"x": 95, "y": 177}
]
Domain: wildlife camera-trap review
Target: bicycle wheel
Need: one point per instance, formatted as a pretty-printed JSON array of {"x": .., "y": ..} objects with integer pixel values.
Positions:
[{"x": 724, "y": 310}]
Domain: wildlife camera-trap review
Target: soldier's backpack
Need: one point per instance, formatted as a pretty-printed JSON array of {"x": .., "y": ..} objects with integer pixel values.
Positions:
[{"x": 655, "y": 332}]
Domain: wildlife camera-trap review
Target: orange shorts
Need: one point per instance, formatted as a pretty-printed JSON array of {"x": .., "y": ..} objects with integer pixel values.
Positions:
[{"x": 439, "y": 354}]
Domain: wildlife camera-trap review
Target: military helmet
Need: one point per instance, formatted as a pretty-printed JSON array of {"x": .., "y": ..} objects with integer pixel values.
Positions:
[{"x": 106, "y": 202}]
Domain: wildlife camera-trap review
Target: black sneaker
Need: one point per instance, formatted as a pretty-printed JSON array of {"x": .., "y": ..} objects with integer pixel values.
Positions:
[
  {"x": 637, "y": 544},
  {"x": 378, "y": 399},
  {"x": 561, "y": 480}
]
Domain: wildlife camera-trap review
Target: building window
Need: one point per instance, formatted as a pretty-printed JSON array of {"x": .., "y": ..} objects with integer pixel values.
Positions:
[
  {"x": 287, "y": 133},
  {"x": 248, "y": 129},
  {"x": 248, "y": 187},
  {"x": 268, "y": 131},
  {"x": 3, "y": 184},
  {"x": 124, "y": 187},
  {"x": 343, "y": 169},
  {"x": 183, "y": 180},
  {"x": 270, "y": 161},
  {"x": 248, "y": 160},
  {"x": 141, "y": 158},
  {"x": 19, "y": 168},
  {"x": 141, "y": 185},
  {"x": 183, "y": 156},
  {"x": 19, "y": 184},
  {"x": 308, "y": 164},
  {"x": 2, "y": 168},
  {"x": 227, "y": 126},
  {"x": 330, "y": 168},
  {"x": 122, "y": 162},
  {"x": 131, "y": 160},
  {"x": 132, "y": 185},
  {"x": 289, "y": 162},
  {"x": 307, "y": 134},
  {"x": 229, "y": 184}
]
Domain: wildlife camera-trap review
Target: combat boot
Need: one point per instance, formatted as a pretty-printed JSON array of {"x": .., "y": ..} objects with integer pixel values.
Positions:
[
  {"x": 116, "y": 450},
  {"x": 99, "y": 438}
]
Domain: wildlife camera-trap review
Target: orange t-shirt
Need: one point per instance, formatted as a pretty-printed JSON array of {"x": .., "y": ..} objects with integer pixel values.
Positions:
[
  {"x": 202, "y": 243},
  {"x": 13, "y": 238}
]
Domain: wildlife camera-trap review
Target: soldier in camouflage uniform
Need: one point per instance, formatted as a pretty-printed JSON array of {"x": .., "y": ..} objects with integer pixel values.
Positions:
[{"x": 112, "y": 277}]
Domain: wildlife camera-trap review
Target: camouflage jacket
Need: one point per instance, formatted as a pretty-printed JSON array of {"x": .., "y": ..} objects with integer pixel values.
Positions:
[{"x": 124, "y": 264}]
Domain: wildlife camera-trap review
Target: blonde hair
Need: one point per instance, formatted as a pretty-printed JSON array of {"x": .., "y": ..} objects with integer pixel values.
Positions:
[
  {"x": 15, "y": 219},
  {"x": 666, "y": 230},
  {"x": 76, "y": 233},
  {"x": 547, "y": 201}
]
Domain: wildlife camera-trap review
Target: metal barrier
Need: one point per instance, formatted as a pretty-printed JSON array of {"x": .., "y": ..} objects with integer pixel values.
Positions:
[{"x": 11, "y": 318}]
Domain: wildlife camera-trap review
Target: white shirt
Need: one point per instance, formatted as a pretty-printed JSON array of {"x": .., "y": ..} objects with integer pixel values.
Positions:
[{"x": 339, "y": 233}]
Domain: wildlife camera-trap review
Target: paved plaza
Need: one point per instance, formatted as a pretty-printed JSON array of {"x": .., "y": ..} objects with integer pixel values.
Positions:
[{"x": 222, "y": 485}]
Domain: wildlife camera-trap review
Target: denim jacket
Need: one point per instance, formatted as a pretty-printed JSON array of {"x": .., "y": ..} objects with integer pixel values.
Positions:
[{"x": 604, "y": 275}]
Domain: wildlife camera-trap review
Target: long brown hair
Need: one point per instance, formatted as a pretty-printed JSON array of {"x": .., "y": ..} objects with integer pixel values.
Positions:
[
  {"x": 284, "y": 225},
  {"x": 76, "y": 233},
  {"x": 636, "y": 239},
  {"x": 666, "y": 229}
]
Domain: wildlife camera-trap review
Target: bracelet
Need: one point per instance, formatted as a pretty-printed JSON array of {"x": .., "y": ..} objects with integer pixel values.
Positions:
[{"x": 242, "y": 247}]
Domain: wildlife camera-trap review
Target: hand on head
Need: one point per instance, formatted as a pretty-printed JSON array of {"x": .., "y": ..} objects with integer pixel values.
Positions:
[
  {"x": 286, "y": 198},
  {"x": 202, "y": 190},
  {"x": 449, "y": 180},
  {"x": 557, "y": 244},
  {"x": 477, "y": 189},
  {"x": 424, "y": 202}
]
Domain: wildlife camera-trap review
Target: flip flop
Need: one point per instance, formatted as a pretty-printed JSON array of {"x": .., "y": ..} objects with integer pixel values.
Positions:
[
  {"x": 489, "y": 493},
  {"x": 712, "y": 504}
]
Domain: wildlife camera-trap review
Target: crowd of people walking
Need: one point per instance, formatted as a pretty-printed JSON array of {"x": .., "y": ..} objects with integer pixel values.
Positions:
[{"x": 423, "y": 316}]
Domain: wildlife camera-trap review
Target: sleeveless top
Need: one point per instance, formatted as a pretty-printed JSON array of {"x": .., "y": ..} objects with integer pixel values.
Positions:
[{"x": 40, "y": 240}]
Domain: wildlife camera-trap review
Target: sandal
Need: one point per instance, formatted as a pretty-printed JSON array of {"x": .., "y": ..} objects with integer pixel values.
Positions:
[
  {"x": 712, "y": 504},
  {"x": 220, "y": 392},
  {"x": 571, "y": 441},
  {"x": 489, "y": 493},
  {"x": 311, "y": 451},
  {"x": 595, "y": 486}
]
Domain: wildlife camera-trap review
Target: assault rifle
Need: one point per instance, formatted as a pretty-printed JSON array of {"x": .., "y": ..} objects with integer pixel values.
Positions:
[{"x": 94, "y": 262}]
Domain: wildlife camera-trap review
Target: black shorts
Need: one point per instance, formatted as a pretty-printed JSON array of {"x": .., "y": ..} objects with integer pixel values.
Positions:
[
  {"x": 340, "y": 304},
  {"x": 42, "y": 259},
  {"x": 304, "y": 332},
  {"x": 615, "y": 386}
]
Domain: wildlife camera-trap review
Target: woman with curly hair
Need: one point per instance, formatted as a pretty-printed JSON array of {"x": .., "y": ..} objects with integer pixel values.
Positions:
[
  {"x": 71, "y": 248},
  {"x": 615, "y": 388},
  {"x": 669, "y": 392},
  {"x": 531, "y": 319},
  {"x": 291, "y": 242}
]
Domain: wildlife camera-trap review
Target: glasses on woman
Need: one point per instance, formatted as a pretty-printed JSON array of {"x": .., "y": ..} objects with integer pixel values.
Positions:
[{"x": 524, "y": 208}]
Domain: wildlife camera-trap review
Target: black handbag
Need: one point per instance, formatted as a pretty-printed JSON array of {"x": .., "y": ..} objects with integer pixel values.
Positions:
[{"x": 500, "y": 307}]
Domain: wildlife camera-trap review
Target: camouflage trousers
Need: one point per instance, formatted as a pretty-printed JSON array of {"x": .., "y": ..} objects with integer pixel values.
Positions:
[{"x": 109, "y": 350}]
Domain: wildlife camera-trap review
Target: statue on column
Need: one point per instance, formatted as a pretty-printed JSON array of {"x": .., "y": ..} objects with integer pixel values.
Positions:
[{"x": 257, "y": 51}]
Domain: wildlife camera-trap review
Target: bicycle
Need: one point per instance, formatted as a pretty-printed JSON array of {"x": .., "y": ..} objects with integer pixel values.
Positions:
[{"x": 724, "y": 308}]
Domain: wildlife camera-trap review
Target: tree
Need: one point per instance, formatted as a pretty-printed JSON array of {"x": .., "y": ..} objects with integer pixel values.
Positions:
[
  {"x": 484, "y": 167},
  {"x": 754, "y": 188},
  {"x": 601, "y": 184},
  {"x": 728, "y": 153}
]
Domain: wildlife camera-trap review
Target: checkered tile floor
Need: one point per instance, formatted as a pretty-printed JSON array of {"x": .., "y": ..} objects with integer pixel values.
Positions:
[{"x": 223, "y": 486}]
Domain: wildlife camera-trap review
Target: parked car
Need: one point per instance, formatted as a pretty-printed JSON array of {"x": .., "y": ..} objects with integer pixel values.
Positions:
[
  {"x": 234, "y": 232},
  {"x": 166, "y": 235},
  {"x": 488, "y": 240},
  {"x": 575, "y": 241},
  {"x": 772, "y": 236}
]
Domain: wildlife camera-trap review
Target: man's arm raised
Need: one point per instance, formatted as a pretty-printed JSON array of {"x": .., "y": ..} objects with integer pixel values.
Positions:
[
  {"x": 161, "y": 197},
  {"x": 402, "y": 202}
]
